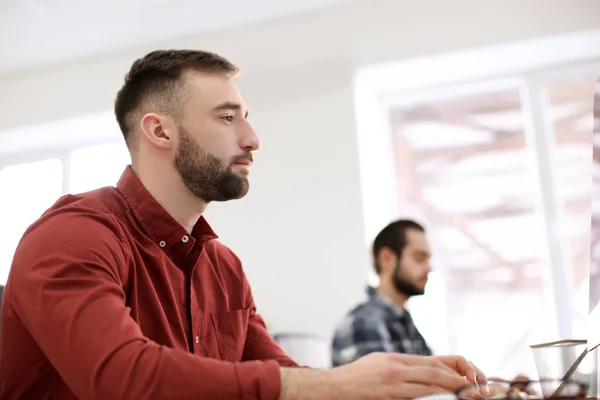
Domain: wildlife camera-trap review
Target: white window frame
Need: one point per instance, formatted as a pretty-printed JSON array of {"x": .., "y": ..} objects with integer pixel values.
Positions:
[
  {"x": 57, "y": 140},
  {"x": 376, "y": 88}
]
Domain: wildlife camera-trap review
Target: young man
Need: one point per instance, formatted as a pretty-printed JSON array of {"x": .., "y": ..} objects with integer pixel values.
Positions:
[
  {"x": 125, "y": 293},
  {"x": 401, "y": 257}
]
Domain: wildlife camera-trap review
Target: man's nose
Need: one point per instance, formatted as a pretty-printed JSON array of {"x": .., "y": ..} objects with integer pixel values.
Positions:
[{"x": 250, "y": 139}]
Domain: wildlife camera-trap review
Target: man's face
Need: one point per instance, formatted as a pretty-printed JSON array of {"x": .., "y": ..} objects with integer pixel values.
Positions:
[
  {"x": 412, "y": 268},
  {"x": 216, "y": 141}
]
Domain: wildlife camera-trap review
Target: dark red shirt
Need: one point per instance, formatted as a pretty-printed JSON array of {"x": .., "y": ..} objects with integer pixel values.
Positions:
[{"x": 108, "y": 297}]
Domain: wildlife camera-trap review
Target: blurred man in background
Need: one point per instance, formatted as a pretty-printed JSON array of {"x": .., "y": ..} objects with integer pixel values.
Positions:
[{"x": 401, "y": 255}]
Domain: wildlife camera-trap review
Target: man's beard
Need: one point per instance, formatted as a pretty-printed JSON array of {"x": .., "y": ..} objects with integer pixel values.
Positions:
[
  {"x": 204, "y": 175},
  {"x": 403, "y": 285}
]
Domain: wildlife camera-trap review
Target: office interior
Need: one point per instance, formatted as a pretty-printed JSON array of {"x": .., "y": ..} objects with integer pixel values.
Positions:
[{"x": 474, "y": 118}]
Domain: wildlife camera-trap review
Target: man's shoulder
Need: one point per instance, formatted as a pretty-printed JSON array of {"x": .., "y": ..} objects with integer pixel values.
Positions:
[
  {"x": 105, "y": 200},
  {"x": 76, "y": 227},
  {"x": 102, "y": 206},
  {"x": 366, "y": 315},
  {"x": 369, "y": 309}
]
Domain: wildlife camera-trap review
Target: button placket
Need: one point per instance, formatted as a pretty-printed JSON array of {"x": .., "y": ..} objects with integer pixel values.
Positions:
[{"x": 195, "y": 319}]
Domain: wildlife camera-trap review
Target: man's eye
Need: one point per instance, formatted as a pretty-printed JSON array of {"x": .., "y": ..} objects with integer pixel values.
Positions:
[{"x": 228, "y": 118}]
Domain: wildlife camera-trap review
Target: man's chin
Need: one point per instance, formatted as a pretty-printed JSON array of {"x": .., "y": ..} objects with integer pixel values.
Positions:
[
  {"x": 240, "y": 193},
  {"x": 419, "y": 289}
]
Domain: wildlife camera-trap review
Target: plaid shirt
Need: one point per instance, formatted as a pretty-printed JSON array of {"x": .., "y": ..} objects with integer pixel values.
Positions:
[{"x": 376, "y": 326}]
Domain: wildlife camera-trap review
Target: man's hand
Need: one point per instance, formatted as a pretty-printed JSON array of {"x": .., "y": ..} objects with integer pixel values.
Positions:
[
  {"x": 382, "y": 376},
  {"x": 401, "y": 376},
  {"x": 467, "y": 369}
]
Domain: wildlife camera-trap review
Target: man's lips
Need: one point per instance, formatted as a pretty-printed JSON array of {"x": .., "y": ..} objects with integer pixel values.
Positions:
[{"x": 244, "y": 162}]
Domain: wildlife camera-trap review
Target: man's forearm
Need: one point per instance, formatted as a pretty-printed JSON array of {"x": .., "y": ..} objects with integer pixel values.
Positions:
[{"x": 307, "y": 384}]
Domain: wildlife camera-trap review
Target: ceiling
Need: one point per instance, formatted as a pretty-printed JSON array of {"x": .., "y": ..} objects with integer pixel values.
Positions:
[{"x": 34, "y": 33}]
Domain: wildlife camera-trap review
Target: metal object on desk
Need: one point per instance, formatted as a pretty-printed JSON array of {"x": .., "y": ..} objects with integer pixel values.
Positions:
[
  {"x": 566, "y": 360},
  {"x": 525, "y": 390}
]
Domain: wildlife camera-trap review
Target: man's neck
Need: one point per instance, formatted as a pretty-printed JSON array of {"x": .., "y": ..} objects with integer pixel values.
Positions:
[
  {"x": 170, "y": 192},
  {"x": 391, "y": 293}
]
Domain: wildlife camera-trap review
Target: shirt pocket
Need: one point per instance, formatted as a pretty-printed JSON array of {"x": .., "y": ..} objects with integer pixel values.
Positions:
[{"x": 230, "y": 329}]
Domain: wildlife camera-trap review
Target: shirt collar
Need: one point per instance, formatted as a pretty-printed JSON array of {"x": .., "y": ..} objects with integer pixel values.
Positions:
[
  {"x": 158, "y": 224},
  {"x": 383, "y": 301}
]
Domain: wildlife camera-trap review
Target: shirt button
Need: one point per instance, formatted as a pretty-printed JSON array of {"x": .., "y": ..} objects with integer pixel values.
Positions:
[
  {"x": 197, "y": 339},
  {"x": 162, "y": 243},
  {"x": 185, "y": 238}
]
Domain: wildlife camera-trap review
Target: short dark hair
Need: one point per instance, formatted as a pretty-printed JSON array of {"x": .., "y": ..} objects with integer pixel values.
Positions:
[
  {"x": 157, "y": 79},
  {"x": 393, "y": 236}
]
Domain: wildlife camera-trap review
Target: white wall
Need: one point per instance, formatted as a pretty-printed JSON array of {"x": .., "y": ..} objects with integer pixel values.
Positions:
[{"x": 300, "y": 231}]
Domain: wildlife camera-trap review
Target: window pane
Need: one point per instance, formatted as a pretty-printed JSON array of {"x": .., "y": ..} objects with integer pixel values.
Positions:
[
  {"x": 463, "y": 168},
  {"x": 28, "y": 190},
  {"x": 594, "y": 286},
  {"x": 97, "y": 166},
  {"x": 571, "y": 112}
]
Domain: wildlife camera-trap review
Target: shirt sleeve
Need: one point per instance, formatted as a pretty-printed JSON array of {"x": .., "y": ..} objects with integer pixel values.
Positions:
[
  {"x": 68, "y": 278},
  {"x": 359, "y": 335}
]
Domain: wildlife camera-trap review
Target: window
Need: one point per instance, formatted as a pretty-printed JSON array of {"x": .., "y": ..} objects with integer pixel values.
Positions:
[
  {"x": 463, "y": 165},
  {"x": 466, "y": 167},
  {"x": 594, "y": 286},
  {"x": 570, "y": 113},
  {"x": 546, "y": 166},
  {"x": 28, "y": 190}
]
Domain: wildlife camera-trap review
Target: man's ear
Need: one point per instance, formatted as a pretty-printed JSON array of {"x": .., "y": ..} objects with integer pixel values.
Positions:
[
  {"x": 387, "y": 259},
  {"x": 154, "y": 130}
]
